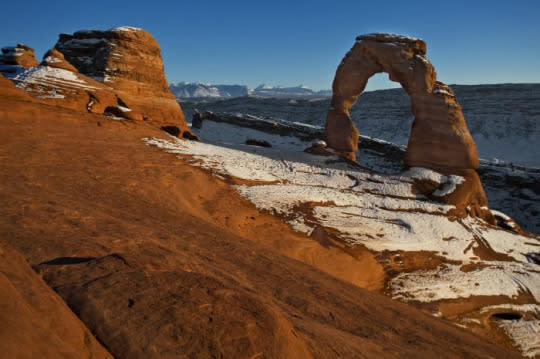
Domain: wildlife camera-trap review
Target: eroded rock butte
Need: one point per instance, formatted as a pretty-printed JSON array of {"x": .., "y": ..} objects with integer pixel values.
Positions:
[{"x": 129, "y": 61}]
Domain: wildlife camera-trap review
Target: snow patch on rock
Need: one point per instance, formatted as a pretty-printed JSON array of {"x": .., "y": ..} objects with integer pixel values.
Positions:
[{"x": 376, "y": 211}]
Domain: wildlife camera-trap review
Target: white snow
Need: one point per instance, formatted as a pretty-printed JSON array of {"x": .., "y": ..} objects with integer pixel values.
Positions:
[
  {"x": 425, "y": 174},
  {"x": 449, "y": 282},
  {"x": 123, "y": 109},
  {"x": 223, "y": 133},
  {"x": 441, "y": 91},
  {"x": 389, "y": 35},
  {"x": 525, "y": 334},
  {"x": 448, "y": 183},
  {"x": 499, "y": 214},
  {"x": 379, "y": 212},
  {"x": 125, "y": 28},
  {"x": 42, "y": 78},
  {"x": 505, "y": 242},
  {"x": 520, "y": 308},
  {"x": 51, "y": 60}
]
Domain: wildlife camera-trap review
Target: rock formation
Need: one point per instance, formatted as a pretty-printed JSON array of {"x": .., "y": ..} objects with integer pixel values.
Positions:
[
  {"x": 20, "y": 55},
  {"x": 129, "y": 61},
  {"x": 58, "y": 82},
  {"x": 55, "y": 58},
  {"x": 439, "y": 136},
  {"x": 15, "y": 59}
]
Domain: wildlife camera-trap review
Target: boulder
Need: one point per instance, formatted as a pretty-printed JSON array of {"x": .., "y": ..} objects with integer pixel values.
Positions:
[
  {"x": 439, "y": 137},
  {"x": 129, "y": 61}
]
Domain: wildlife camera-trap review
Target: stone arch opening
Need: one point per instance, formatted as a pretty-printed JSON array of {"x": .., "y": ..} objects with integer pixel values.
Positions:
[{"x": 383, "y": 111}]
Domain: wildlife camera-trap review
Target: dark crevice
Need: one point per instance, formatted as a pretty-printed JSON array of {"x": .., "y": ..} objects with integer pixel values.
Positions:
[
  {"x": 171, "y": 130},
  {"x": 506, "y": 316},
  {"x": 67, "y": 261}
]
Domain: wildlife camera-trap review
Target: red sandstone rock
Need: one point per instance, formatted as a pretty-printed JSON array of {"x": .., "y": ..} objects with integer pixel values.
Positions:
[
  {"x": 129, "y": 61},
  {"x": 9, "y": 91},
  {"x": 158, "y": 271},
  {"x": 439, "y": 136},
  {"x": 56, "y": 81},
  {"x": 20, "y": 55},
  {"x": 36, "y": 322},
  {"x": 54, "y": 58}
]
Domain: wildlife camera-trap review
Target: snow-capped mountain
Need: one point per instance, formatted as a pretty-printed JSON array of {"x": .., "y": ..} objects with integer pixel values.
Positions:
[
  {"x": 186, "y": 90},
  {"x": 288, "y": 92},
  {"x": 199, "y": 90}
]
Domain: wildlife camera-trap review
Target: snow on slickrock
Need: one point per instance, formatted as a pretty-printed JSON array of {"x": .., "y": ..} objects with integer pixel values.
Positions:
[
  {"x": 466, "y": 259},
  {"x": 50, "y": 82}
]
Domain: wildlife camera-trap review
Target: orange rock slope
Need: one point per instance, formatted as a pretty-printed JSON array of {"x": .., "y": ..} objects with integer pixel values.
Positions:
[
  {"x": 36, "y": 322},
  {"x": 156, "y": 270}
]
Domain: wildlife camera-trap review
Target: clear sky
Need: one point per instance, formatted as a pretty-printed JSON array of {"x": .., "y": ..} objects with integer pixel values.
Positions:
[{"x": 299, "y": 42}]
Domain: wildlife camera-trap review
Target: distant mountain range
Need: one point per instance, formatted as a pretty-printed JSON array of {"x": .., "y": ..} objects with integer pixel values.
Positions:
[
  {"x": 196, "y": 90},
  {"x": 200, "y": 90}
]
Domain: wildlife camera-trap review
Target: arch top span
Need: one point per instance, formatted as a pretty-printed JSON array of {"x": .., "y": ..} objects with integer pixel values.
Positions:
[{"x": 439, "y": 136}]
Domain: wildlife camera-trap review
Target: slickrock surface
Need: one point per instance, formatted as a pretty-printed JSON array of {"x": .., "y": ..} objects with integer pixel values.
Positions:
[
  {"x": 439, "y": 137},
  {"x": 9, "y": 91},
  {"x": 36, "y": 322},
  {"x": 159, "y": 271},
  {"x": 473, "y": 273},
  {"x": 129, "y": 61}
]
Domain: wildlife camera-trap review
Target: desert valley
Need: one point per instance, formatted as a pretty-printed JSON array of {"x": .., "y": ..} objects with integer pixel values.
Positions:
[{"x": 137, "y": 222}]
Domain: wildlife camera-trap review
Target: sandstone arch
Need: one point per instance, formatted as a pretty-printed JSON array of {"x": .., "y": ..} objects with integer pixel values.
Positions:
[{"x": 439, "y": 136}]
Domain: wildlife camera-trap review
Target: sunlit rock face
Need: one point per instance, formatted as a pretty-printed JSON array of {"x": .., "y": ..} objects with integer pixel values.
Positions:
[
  {"x": 55, "y": 81},
  {"x": 15, "y": 59},
  {"x": 20, "y": 55},
  {"x": 129, "y": 61},
  {"x": 439, "y": 137}
]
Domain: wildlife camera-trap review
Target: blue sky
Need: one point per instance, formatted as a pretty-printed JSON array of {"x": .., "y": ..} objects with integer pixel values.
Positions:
[{"x": 299, "y": 42}]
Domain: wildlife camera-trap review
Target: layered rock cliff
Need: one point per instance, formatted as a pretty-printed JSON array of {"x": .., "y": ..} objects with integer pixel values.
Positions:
[{"x": 129, "y": 61}]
